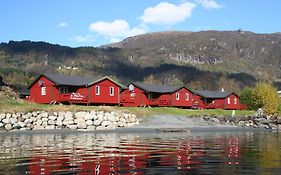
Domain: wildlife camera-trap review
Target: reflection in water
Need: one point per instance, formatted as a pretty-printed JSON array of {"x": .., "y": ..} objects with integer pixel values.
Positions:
[{"x": 137, "y": 153}]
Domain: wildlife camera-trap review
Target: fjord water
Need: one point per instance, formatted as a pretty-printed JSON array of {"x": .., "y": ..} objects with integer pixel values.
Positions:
[{"x": 141, "y": 153}]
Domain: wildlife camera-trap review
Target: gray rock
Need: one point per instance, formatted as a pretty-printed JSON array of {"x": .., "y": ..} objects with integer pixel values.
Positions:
[
  {"x": 241, "y": 123},
  {"x": 111, "y": 118},
  {"x": 45, "y": 119},
  {"x": 91, "y": 128},
  {"x": 38, "y": 127},
  {"x": 61, "y": 114},
  {"x": 1, "y": 124},
  {"x": 264, "y": 121},
  {"x": 68, "y": 114},
  {"x": 80, "y": 115},
  {"x": 60, "y": 118},
  {"x": 68, "y": 122},
  {"x": 52, "y": 117},
  {"x": 28, "y": 115},
  {"x": 81, "y": 125},
  {"x": 50, "y": 127},
  {"x": 89, "y": 122},
  {"x": 51, "y": 122},
  {"x": 8, "y": 127},
  {"x": 43, "y": 115},
  {"x": 22, "y": 124},
  {"x": 97, "y": 122},
  {"x": 100, "y": 117},
  {"x": 106, "y": 123},
  {"x": 59, "y": 123},
  {"x": 263, "y": 126},
  {"x": 73, "y": 127},
  {"x": 44, "y": 124},
  {"x": 100, "y": 128},
  {"x": 13, "y": 120},
  {"x": 8, "y": 115},
  {"x": 2, "y": 116},
  {"x": 6, "y": 120}
]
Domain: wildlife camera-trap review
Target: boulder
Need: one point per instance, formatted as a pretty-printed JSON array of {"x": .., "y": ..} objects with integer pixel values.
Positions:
[
  {"x": 100, "y": 128},
  {"x": 8, "y": 127},
  {"x": 81, "y": 124},
  {"x": 97, "y": 122},
  {"x": 38, "y": 127},
  {"x": 50, "y": 127},
  {"x": 6, "y": 120},
  {"x": 106, "y": 123},
  {"x": 51, "y": 122},
  {"x": 73, "y": 127},
  {"x": 8, "y": 115},
  {"x": 89, "y": 122},
  {"x": 89, "y": 116},
  {"x": 59, "y": 123},
  {"x": 52, "y": 117},
  {"x": 43, "y": 114},
  {"x": 61, "y": 114},
  {"x": 91, "y": 128},
  {"x": 80, "y": 115},
  {"x": 68, "y": 114},
  {"x": 1, "y": 124},
  {"x": 2, "y": 116}
]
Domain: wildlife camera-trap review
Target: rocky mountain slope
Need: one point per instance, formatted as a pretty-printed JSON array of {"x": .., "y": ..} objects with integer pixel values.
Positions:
[{"x": 209, "y": 60}]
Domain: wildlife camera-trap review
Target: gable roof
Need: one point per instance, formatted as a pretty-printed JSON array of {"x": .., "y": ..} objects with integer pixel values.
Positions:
[
  {"x": 104, "y": 78},
  {"x": 66, "y": 80},
  {"x": 157, "y": 88},
  {"x": 212, "y": 94}
]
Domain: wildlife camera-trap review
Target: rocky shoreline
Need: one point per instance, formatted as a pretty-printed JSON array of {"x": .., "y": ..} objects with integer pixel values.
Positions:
[
  {"x": 100, "y": 120},
  {"x": 82, "y": 120}
]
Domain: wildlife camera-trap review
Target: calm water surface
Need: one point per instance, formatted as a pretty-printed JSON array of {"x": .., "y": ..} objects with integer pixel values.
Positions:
[{"x": 141, "y": 153}]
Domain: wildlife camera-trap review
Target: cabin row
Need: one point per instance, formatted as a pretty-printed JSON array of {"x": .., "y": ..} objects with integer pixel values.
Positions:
[{"x": 54, "y": 88}]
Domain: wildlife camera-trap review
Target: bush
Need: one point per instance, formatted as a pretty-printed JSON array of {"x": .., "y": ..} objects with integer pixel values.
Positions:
[
  {"x": 246, "y": 97},
  {"x": 266, "y": 96}
]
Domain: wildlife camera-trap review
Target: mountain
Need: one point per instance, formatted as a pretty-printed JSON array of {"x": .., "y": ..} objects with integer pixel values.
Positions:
[{"x": 208, "y": 60}]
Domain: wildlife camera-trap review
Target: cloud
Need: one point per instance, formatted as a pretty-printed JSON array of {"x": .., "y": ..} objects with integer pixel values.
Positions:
[
  {"x": 116, "y": 30},
  {"x": 209, "y": 4},
  {"x": 166, "y": 13},
  {"x": 62, "y": 24},
  {"x": 83, "y": 38}
]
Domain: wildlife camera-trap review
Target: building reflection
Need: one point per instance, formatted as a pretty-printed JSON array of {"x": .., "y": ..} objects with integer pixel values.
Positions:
[{"x": 114, "y": 153}]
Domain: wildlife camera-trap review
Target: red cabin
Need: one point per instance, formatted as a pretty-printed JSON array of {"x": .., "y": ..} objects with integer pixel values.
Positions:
[
  {"x": 54, "y": 88},
  {"x": 203, "y": 99},
  {"x": 141, "y": 94}
]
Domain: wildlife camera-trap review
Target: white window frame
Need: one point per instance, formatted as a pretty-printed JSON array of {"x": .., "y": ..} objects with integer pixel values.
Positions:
[
  {"x": 177, "y": 96},
  {"x": 97, "y": 89},
  {"x": 111, "y": 91},
  {"x": 43, "y": 91},
  {"x": 228, "y": 100},
  {"x": 186, "y": 96},
  {"x": 235, "y": 101}
]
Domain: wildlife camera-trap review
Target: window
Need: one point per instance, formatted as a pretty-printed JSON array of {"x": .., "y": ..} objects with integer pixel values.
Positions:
[
  {"x": 64, "y": 90},
  {"x": 177, "y": 96},
  {"x": 97, "y": 90},
  {"x": 186, "y": 96},
  {"x": 43, "y": 91},
  {"x": 228, "y": 100},
  {"x": 111, "y": 91},
  {"x": 235, "y": 100}
]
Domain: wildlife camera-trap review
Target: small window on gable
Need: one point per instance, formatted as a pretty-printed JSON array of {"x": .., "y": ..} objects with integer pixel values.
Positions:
[
  {"x": 43, "y": 91},
  {"x": 235, "y": 100},
  {"x": 228, "y": 100},
  {"x": 97, "y": 90},
  {"x": 186, "y": 96},
  {"x": 177, "y": 96},
  {"x": 111, "y": 91}
]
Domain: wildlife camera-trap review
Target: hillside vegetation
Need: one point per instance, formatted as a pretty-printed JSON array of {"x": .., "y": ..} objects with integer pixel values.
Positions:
[{"x": 204, "y": 60}]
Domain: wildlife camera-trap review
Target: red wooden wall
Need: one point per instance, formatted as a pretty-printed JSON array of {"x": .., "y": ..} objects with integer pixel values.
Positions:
[
  {"x": 104, "y": 96},
  {"x": 51, "y": 91}
]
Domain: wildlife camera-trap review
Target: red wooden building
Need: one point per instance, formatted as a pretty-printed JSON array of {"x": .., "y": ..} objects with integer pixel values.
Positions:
[
  {"x": 203, "y": 99},
  {"x": 141, "y": 94},
  {"x": 54, "y": 88}
]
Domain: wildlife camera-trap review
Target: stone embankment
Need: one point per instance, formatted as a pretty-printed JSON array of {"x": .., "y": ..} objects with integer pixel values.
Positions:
[
  {"x": 84, "y": 121},
  {"x": 259, "y": 121}
]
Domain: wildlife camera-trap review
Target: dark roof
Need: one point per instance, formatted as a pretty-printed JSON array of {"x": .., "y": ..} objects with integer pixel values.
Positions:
[
  {"x": 157, "y": 88},
  {"x": 73, "y": 80},
  {"x": 68, "y": 80},
  {"x": 106, "y": 77},
  {"x": 212, "y": 94}
]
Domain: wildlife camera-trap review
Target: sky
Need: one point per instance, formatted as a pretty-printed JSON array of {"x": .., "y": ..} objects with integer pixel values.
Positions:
[{"x": 98, "y": 22}]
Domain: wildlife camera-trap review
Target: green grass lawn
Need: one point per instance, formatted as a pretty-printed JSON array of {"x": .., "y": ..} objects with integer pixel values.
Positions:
[{"x": 9, "y": 105}]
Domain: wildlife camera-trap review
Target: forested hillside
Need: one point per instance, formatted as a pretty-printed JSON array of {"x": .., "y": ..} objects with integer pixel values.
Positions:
[{"x": 208, "y": 60}]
